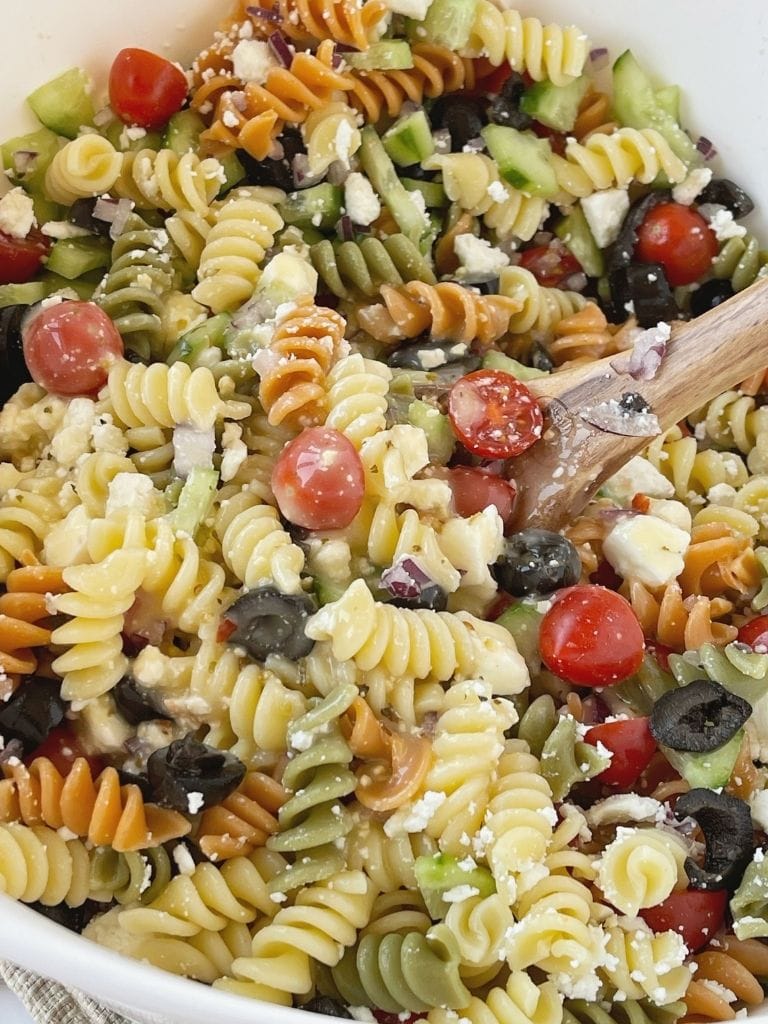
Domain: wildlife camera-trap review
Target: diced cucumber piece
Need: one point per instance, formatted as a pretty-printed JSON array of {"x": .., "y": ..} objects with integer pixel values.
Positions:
[
  {"x": 523, "y": 159},
  {"x": 636, "y": 106},
  {"x": 523, "y": 622},
  {"x": 494, "y": 360},
  {"x": 433, "y": 191},
  {"x": 441, "y": 440},
  {"x": 182, "y": 133},
  {"x": 45, "y": 144},
  {"x": 386, "y": 55},
  {"x": 448, "y": 23},
  {"x": 319, "y": 206},
  {"x": 116, "y": 133},
  {"x": 22, "y": 294},
  {"x": 382, "y": 175},
  {"x": 195, "y": 500},
  {"x": 555, "y": 105},
  {"x": 64, "y": 104},
  {"x": 211, "y": 334},
  {"x": 73, "y": 257},
  {"x": 668, "y": 98},
  {"x": 234, "y": 172},
  {"x": 710, "y": 770},
  {"x": 409, "y": 140},
  {"x": 83, "y": 287},
  {"x": 327, "y": 591},
  {"x": 440, "y": 873},
  {"x": 573, "y": 231}
]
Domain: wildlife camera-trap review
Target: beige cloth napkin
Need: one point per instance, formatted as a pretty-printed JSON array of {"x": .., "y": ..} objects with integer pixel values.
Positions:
[{"x": 48, "y": 1002}]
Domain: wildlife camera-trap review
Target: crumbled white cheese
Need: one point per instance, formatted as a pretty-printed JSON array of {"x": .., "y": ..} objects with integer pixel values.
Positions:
[
  {"x": 17, "y": 213},
  {"x": 234, "y": 451},
  {"x": 417, "y": 817},
  {"x": 420, "y": 203},
  {"x": 343, "y": 141},
  {"x": 362, "y": 1013},
  {"x": 477, "y": 257},
  {"x": 131, "y": 133},
  {"x": 460, "y": 893},
  {"x": 62, "y": 229},
  {"x": 302, "y": 739},
  {"x": 605, "y": 212},
  {"x": 647, "y": 548},
  {"x": 624, "y": 807},
  {"x": 132, "y": 492},
  {"x": 195, "y": 802},
  {"x": 721, "y": 221},
  {"x": 722, "y": 494},
  {"x": 637, "y": 477},
  {"x": 361, "y": 202},
  {"x": 183, "y": 859},
  {"x": 416, "y": 9},
  {"x": 192, "y": 449},
  {"x": 674, "y": 512},
  {"x": 74, "y": 435},
  {"x": 497, "y": 192},
  {"x": 758, "y": 806},
  {"x": 252, "y": 60},
  {"x": 692, "y": 186},
  {"x": 149, "y": 666}
]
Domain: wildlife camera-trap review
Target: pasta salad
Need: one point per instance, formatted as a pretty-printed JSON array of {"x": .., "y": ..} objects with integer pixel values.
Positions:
[{"x": 292, "y": 704}]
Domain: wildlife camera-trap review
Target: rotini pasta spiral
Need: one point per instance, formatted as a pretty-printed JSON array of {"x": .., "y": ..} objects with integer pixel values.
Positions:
[
  {"x": 446, "y": 311},
  {"x": 479, "y": 925},
  {"x": 352, "y": 269},
  {"x": 740, "y": 261},
  {"x": 616, "y": 160},
  {"x": 93, "y": 476},
  {"x": 22, "y": 607},
  {"x": 330, "y": 133},
  {"x": 641, "y": 868},
  {"x": 243, "y": 821},
  {"x": 86, "y": 166},
  {"x": 529, "y": 46},
  {"x": 732, "y": 420},
  {"x": 693, "y": 472},
  {"x": 133, "y": 877},
  {"x": 307, "y": 341},
  {"x": 734, "y": 967},
  {"x": 629, "y": 1011},
  {"x": 36, "y": 864},
  {"x": 163, "y": 180},
  {"x": 541, "y": 309},
  {"x": 28, "y": 511},
  {"x": 643, "y": 965},
  {"x": 582, "y": 337},
  {"x": 357, "y": 397},
  {"x": 101, "y": 810},
  {"x": 682, "y": 624},
  {"x": 260, "y": 710},
  {"x": 340, "y": 20},
  {"x": 390, "y": 862},
  {"x": 244, "y": 228},
  {"x": 264, "y": 443},
  {"x": 520, "y": 1001}
]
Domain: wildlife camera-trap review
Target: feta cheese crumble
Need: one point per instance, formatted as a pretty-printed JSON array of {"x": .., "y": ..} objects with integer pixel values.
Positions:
[
  {"x": 361, "y": 202},
  {"x": 605, "y": 212},
  {"x": 647, "y": 548}
]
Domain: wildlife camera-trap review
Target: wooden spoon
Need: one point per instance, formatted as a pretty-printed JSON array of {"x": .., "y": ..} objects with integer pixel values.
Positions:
[{"x": 704, "y": 357}]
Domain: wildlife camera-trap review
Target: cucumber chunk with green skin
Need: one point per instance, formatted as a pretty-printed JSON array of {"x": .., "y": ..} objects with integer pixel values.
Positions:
[
  {"x": 447, "y": 23},
  {"x": 195, "y": 500},
  {"x": 319, "y": 206},
  {"x": 234, "y": 172},
  {"x": 441, "y": 440},
  {"x": 523, "y": 622},
  {"x": 573, "y": 231},
  {"x": 668, "y": 98},
  {"x": 22, "y": 294},
  {"x": 45, "y": 144},
  {"x": 636, "y": 105},
  {"x": 524, "y": 160},
  {"x": 83, "y": 287},
  {"x": 73, "y": 257},
  {"x": 386, "y": 55},
  {"x": 439, "y": 874},
  {"x": 64, "y": 104},
  {"x": 433, "y": 191},
  {"x": 382, "y": 175},
  {"x": 494, "y": 360},
  {"x": 182, "y": 133},
  {"x": 211, "y": 334},
  {"x": 117, "y": 134},
  {"x": 556, "y": 106},
  {"x": 709, "y": 770},
  {"x": 409, "y": 140},
  {"x": 327, "y": 591}
]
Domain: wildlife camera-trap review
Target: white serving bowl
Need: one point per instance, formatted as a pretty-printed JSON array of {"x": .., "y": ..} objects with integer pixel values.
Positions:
[{"x": 716, "y": 51}]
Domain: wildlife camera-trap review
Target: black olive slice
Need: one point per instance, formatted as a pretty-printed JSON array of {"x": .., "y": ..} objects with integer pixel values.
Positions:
[
  {"x": 645, "y": 286},
  {"x": 269, "y": 622},
  {"x": 711, "y": 294},
  {"x": 537, "y": 562},
  {"x": 276, "y": 173},
  {"x": 505, "y": 108},
  {"x": 135, "y": 703},
  {"x": 189, "y": 776},
  {"x": 132, "y": 779},
  {"x": 428, "y": 355},
  {"x": 330, "y": 1007},
  {"x": 622, "y": 252},
  {"x": 699, "y": 717},
  {"x": 32, "y": 712},
  {"x": 73, "y": 918},
  {"x": 727, "y": 826},
  {"x": 13, "y": 367},
  {"x": 81, "y": 214},
  {"x": 432, "y": 597},
  {"x": 462, "y": 116},
  {"x": 725, "y": 192}
]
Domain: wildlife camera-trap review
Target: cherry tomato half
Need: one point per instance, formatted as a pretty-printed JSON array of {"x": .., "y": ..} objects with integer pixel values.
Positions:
[
  {"x": 550, "y": 264},
  {"x": 476, "y": 489},
  {"x": 591, "y": 637},
  {"x": 755, "y": 633},
  {"x": 20, "y": 258},
  {"x": 145, "y": 88},
  {"x": 494, "y": 415},
  {"x": 318, "y": 480},
  {"x": 695, "y": 914},
  {"x": 631, "y": 745},
  {"x": 69, "y": 347},
  {"x": 62, "y": 747},
  {"x": 680, "y": 240}
]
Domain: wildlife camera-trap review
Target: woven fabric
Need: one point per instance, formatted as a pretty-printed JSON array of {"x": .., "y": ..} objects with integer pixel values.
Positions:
[{"x": 48, "y": 1002}]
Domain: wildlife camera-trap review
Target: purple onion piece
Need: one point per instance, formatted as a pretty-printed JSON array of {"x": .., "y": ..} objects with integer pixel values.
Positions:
[
  {"x": 648, "y": 352},
  {"x": 405, "y": 579},
  {"x": 345, "y": 48},
  {"x": 302, "y": 178},
  {"x": 265, "y": 14},
  {"x": 706, "y": 147},
  {"x": 575, "y": 283},
  {"x": 279, "y": 46},
  {"x": 24, "y": 160},
  {"x": 476, "y": 145},
  {"x": 542, "y": 238},
  {"x": 105, "y": 209},
  {"x": 346, "y": 229},
  {"x": 599, "y": 58}
]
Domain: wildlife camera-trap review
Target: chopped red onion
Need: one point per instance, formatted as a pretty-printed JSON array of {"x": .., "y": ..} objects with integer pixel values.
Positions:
[
  {"x": 192, "y": 448},
  {"x": 575, "y": 283},
  {"x": 599, "y": 58},
  {"x": 613, "y": 418},
  {"x": 24, "y": 160},
  {"x": 409, "y": 107},
  {"x": 707, "y": 148},
  {"x": 265, "y": 14},
  {"x": 346, "y": 229},
  {"x": 105, "y": 209},
  {"x": 405, "y": 579},
  {"x": 542, "y": 238},
  {"x": 279, "y": 46},
  {"x": 345, "y": 48},
  {"x": 429, "y": 724},
  {"x": 442, "y": 140},
  {"x": 124, "y": 210},
  {"x": 103, "y": 117},
  {"x": 648, "y": 352},
  {"x": 302, "y": 178}
]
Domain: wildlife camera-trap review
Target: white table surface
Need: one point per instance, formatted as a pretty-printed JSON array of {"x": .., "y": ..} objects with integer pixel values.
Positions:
[{"x": 11, "y": 1010}]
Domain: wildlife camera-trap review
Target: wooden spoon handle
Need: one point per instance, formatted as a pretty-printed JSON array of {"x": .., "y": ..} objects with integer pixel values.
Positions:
[{"x": 704, "y": 357}]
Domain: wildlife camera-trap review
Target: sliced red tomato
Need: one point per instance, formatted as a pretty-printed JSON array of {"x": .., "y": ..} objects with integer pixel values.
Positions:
[
  {"x": 62, "y": 747},
  {"x": 318, "y": 480},
  {"x": 695, "y": 914},
  {"x": 145, "y": 88},
  {"x": 494, "y": 415},
  {"x": 591, "y": 637},
  {"x": 69, "y": 347},
  {"x": 550, "y": 264},
  {"x": 476, "y": 489},
  {"x": 556, "y": 139},
  {"x": 660, "y": 652},
  {"x": 21, "y": 258},
  {"x": 755, "y": 633},
  {"x": 658, "y": 772},
  {"x": 631, "y": 745},
  {"x": 489, "y": 79},
  {"x": 678, "y": 238}
]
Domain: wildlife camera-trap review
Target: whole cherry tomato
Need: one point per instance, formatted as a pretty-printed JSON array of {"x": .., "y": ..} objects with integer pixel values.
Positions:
[
  {"x": 145, "y": 88},
  {"x": 318, "y": 480},
  {"x": 20, "y": 258},
  {"x": 69, "y": 347},
  {"x": 550, "y": 264},
  {"x": 680, "y": 240},
  {"x": 494, "y": 415},
  {"x": 475, "y": 489},
  {"x": 695, "y": 914},
  {"x": 631, "y": 745},
  {"x": 755, "y": 633}
]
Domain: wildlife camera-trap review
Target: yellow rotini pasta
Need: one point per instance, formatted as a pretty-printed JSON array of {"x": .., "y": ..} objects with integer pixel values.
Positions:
[
  {"x": 357, "y": 397},
  {"x": 540, "y": 308},
  {"x": 86, "y": 166},
  {"x": 166, "y": 181},
  {"x": 330, "y": 133}
]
